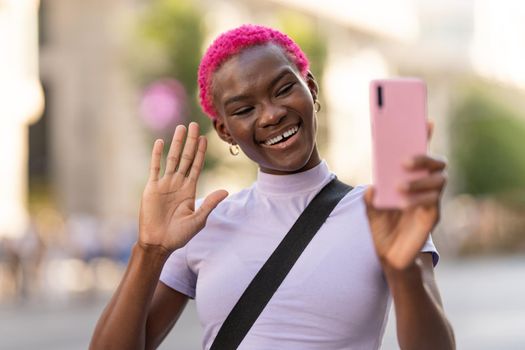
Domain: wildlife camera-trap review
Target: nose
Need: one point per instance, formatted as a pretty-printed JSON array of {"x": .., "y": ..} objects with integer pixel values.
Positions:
[{"x": 271, "y": 114}]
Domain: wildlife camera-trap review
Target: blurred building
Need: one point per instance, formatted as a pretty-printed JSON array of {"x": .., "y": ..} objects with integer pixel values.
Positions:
[
  {"x": 90, "y": 148},
  {"x": 498, "y": 49},
  {"x": 97, "y": 153},
  {"x": 21, "y": 103},
  {"x": 365, "y": 41}
]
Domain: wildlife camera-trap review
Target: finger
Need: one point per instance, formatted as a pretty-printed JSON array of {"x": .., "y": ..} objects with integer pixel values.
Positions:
[
  {"x": 210, "y": 203},
  {"x": 435, "y": 181},
  {"x": 175, "y": 149},
  {"x": 423, "y": 199},
  {"x": 188, "y": 154},
  {"x": 425, "y": 162},
  {"x": 198, "y": 162},
  {"x": 156, "y": 155}
]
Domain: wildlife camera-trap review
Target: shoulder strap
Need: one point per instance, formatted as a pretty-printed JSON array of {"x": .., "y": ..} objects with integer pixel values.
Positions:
[{"x": 273, "y": 272}]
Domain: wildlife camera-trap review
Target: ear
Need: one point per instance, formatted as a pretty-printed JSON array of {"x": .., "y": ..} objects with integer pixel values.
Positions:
[
  {"x": 222, "y": 130},
  {"x": 312, "y": 85}
]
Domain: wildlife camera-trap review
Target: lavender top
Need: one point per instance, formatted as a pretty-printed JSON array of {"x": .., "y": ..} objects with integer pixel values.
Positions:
[{"x": 335, "y": 297}]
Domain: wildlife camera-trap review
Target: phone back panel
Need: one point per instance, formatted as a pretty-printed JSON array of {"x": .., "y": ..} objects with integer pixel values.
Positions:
[{"x": 399, "y": 132}]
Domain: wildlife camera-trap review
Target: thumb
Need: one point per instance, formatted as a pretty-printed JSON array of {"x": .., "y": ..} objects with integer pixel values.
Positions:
[
  {"x": 209, "y": 203},
  {"x": 371, "y": 210},
  {"x": 369, "y": 197}
]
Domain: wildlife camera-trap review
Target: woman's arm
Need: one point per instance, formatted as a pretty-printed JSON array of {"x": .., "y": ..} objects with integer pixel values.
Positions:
[
  {"x": 421, "y": 322},
  {"x": 130, "y": 321},
  {"x": 166, "y": 307},
  {"x": 143, "y": 310},
  {"x": 399, "y": 235}
]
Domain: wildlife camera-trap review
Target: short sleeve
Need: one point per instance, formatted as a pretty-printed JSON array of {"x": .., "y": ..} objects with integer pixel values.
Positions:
[
  {"x": 429, "y": 247},
  {"x": 177, "y": 275}
]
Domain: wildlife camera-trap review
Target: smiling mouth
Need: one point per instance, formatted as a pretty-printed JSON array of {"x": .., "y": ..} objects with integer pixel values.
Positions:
[{"x": 283, "y": 137}]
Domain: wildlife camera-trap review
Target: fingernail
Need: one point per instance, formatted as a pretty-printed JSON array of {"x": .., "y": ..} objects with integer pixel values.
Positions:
[
  {"x": 404, "y": 187},
  {"x": 409, "y": 163}
]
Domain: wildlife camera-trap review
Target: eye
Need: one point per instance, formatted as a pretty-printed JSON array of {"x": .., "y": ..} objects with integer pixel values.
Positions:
[
  {"x": 285, "y": 89},
  {"x": 242, "y": 111}
]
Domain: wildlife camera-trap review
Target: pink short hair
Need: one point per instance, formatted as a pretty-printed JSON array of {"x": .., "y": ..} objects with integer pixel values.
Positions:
[{"x": 232, "y": 42}]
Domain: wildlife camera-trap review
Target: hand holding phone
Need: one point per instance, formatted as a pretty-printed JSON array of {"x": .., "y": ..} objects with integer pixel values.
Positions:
[{"x": 398, "y": 110}]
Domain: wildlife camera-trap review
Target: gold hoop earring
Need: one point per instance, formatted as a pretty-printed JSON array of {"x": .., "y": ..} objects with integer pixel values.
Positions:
[
  {"x": 234, "y": 150},
  {"x": 317, "y": 106}
]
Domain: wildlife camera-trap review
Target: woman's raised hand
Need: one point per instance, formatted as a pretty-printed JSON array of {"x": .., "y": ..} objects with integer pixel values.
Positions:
[{"x": 168, "y": 218}]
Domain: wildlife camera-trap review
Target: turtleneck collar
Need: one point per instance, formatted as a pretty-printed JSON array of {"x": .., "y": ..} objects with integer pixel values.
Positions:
[{"x": 293, "y": 183}]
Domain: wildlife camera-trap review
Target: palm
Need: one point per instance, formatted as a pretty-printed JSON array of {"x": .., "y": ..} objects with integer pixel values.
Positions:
[
  {"x": 170, "y": 210},
  {"x": 167, "y": 216},
  {"x": 399, "y": 234}
]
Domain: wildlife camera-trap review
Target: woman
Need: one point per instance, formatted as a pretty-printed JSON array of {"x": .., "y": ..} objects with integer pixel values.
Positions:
[{"x": 256, "y": 87}]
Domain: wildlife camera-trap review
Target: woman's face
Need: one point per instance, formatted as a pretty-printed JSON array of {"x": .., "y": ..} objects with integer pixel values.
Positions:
[{"x": 266, "y": 107}]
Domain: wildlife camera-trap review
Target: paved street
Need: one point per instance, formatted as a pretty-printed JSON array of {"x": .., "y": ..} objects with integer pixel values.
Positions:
[{"x": 485, "y": 299}]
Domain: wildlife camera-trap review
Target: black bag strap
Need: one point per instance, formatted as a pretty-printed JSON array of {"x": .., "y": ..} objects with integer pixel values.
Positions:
[{"x": 273, "y": 272}]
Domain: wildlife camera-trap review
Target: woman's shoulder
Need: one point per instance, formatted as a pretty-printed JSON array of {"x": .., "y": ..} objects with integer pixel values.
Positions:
[
  {"x": 225, "y": 217},
  {"x": 357, "y": 191},
  {"x": 354, "y": 198}
]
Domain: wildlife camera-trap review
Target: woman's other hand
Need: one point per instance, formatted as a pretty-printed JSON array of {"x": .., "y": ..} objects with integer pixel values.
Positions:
[
  {"x": 399, "y": 234},
  {"x": 168, "y": 218}
]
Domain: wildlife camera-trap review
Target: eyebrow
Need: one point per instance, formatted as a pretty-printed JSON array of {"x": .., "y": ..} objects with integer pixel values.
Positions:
[
  {"x": 280, "y": 76},
  {"x": 235, "y": 99},
  {"x": 272, "y": 83}
]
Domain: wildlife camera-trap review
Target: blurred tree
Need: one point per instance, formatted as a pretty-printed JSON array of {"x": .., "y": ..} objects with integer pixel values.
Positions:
[
  {"x": 170, "y": 38},
  {"x": 306, "y": 33},
  {"x": 488, "y": 148},
  {"x": 170, "y": 41}
]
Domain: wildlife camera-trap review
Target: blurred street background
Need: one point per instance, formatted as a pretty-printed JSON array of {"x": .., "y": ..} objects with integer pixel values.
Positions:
[{"x": 86, "y": 86}]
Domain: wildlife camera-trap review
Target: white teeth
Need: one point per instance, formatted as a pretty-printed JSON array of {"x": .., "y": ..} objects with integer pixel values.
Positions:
[{"x": 278, "y": 138}]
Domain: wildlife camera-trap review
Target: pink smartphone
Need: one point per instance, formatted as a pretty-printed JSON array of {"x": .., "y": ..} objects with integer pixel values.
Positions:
[{"x": 398, "y": 109}]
